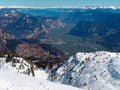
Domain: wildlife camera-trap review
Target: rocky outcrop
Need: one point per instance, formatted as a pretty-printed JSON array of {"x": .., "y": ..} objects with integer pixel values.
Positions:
[
  {"x": 30, "y": 50},
  {"x": 42, "y": 55},
  {"x": 3, "y": 37},
  {"x": 17, "y": 64}
]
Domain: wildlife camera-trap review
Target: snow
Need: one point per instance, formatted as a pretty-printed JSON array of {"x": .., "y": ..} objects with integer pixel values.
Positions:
[
  {"x": 11, "y": 79},
  {"x": 87, "y": 71},
  {"x": 41, "y": 72},
  {"x": 18, "y": 65},
  {"x": 14, "y": 81},
  {"x": 90, "y": 71}
]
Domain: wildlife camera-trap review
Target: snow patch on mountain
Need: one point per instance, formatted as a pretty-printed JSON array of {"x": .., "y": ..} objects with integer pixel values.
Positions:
[{"x": 90, "y": 71}]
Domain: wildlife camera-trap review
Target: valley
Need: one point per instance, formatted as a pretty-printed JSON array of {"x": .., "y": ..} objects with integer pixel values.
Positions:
[
  {"x": 69, "y": 30},
  {"x": 71, "y": 44}
]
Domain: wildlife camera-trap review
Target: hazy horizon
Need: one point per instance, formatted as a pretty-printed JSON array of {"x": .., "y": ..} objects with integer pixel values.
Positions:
[{"x": 59, "y": 3}]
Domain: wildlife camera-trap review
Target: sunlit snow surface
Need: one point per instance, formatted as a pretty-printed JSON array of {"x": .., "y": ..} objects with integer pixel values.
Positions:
[
  {"x": 11, "y": 79},
  {"x": 87, "y": 71},
  {"x": 90, "y": 71}
]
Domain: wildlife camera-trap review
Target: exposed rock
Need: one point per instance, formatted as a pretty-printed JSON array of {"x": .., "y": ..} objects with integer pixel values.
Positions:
[{"x": 3, "y": 37}]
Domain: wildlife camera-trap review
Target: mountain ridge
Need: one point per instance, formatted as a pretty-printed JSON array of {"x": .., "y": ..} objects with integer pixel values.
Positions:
[{"x": 90, "y": 71}]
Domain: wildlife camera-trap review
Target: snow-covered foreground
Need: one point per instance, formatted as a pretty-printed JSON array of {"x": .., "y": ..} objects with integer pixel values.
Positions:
[
  {"x": 90, "y": 71},
  {"x": 11, "y": 79},
  {"x": 87, "y": 71},
  {"x": 14, "y": 81}
]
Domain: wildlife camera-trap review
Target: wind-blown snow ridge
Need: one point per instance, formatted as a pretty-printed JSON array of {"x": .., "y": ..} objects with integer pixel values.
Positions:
[{"x": 90, "y": 71}]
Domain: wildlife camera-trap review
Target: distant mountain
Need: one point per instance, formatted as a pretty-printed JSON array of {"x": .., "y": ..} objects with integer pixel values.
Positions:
[
  {"x": 96, "y": 27},
  {"x": 63, "y": 7},
  {"x": 26, "y": 26},
  {"x": 89, "y": 29},
  {"x": 73, "y": 29},
  {"x": 72, "y": 14},
  {"x": 90, "y": 71},
  {"x": 104, "y": 32},
  {"x": 42, "y": 54},
  {"x": 21, "y": 34}
]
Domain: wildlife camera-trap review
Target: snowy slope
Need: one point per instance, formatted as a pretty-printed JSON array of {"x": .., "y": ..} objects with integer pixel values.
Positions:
[
  {"x": 11, "y": 79},
  {"x": 90, "y": 71},
  {"x": 16, "y": 64},
  {"x": 14, "y": 81}
]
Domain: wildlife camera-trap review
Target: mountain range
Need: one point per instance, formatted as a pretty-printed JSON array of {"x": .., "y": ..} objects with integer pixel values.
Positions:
[
  {"x": 35, "y": 45},
  {"x": 22, "y": 35},
  {"x": 26, "y": 26},
  {"x": 82, "y": 7},
  {"x": 82, "y": 29}
]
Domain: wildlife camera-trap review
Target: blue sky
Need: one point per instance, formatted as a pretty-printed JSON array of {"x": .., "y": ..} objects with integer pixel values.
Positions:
[{"x": 59, "y": 2}]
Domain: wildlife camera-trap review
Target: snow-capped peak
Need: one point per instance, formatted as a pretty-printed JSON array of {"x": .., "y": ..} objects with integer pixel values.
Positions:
[
  {"x": 90, "y": 71},
  {"x": 102, "y": 7}
]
